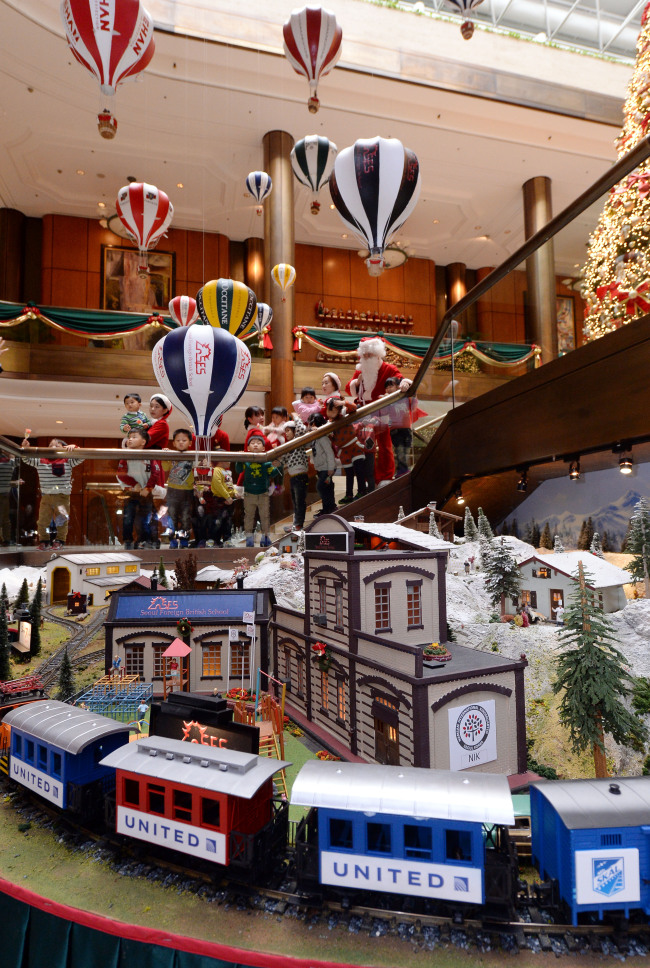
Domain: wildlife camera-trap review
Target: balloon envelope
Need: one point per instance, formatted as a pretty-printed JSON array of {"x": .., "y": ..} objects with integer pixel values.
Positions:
[
  {"x": 204, "y": 371},
  {"x": 283, "y": 275},
  {"x": 145, "y": 212},
  {"x": 264, "y": 316},
  {"x": 312, "y": 44},
  {"x": 375, "y": 186},
  {"x": 312, "y": 160},
  {"x": 227, "y": 304},
  {"x": 259, "y": 184},
  {"x": 183, "y": 311}
]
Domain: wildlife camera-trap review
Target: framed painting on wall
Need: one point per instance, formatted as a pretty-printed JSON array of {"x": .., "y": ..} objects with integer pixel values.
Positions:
[
  {"x": 566, "y": 324},
  {"x": 122, "y": 289}
]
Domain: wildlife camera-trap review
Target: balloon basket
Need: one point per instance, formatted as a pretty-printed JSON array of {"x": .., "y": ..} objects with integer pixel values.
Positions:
[
  {"x": 143, "y": 271},
  {"x": 106, "y": 125},
  {"x": 313, "y": 104},
  {"x": 259, "y": 209},
  {"x": 375, "y": 266},
  {"x": 467, "y": 30},
  {"x": 315, "y": 208}
]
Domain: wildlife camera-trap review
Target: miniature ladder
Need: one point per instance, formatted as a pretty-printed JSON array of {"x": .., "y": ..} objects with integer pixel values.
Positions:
[{"x": 269, "y": 746}]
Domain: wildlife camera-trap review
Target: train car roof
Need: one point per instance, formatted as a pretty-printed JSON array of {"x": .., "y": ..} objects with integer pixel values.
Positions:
[
  {"x": 408, "y": 791},
  {"x": 69, "y": 728},
  {"x": 209, "y": 767},
  {"x": 589, "y": 804}
]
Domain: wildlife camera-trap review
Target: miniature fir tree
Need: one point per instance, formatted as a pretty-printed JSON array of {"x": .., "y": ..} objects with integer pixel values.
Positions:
[
  {"x": 558, "y": 547},
  {"x": 163, "y": 580},
  {"x": 5, "y": 668},
  {"x": 434, "y": 530},
  {"x": 400, "y": 513},
  {"x": 592, "y": 678},
  {"x": 66, "y": 678},
  {"x": 35, "y": 619},
  {"x": 545, "y": 540},
  {"x": 469, "y": 526},
  {"x": 484, "y": 528},
  {"x": 532, "y": 535},
  {"x": 638, "y": 544},
  {"x": 185, "y": 571},
  {"x": 616, "y": 283},
  {"x": 502, "y": 577},
  {"x": 23, "y": 595},
  {"x": 607, "y": 542},
  {"x": 514, "y": 529},
  {"x": 596, "y": 546},
  {"x": 586, "y": 535}
]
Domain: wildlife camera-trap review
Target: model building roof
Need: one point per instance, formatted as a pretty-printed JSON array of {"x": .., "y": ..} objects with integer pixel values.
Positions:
[
  {"x": 111, "y": 581},
  {"x": 590, "y": 804},
  {"x": 105, "y": 558},
  {"x": 69, "y": 728},
  {"x": 408, "y": 536},
  {"x": 599, "y": 573}
]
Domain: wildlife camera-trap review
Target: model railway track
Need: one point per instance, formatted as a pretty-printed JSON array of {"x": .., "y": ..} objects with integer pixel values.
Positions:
[
  {"x": 80, "y": 637},
  {"x": 419, "y": 930}
]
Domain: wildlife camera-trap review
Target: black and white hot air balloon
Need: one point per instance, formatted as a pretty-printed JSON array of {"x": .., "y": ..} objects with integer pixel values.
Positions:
[
  {"x": 312, "y": 160},
  {"x": 375, "y": 186}
]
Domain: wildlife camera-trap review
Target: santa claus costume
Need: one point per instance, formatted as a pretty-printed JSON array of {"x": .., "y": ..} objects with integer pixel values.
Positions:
[{"x": 369, "y": 383}]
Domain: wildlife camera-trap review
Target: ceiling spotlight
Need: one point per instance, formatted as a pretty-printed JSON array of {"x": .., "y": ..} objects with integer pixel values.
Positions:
[
  {"x": 625, "y": 464},
  {"x": 574, "y": 470},
  {"x": 459, "y": 496},
  {"x": 180, "y": 185},
  {"x": 101, "y": 204},
  {"x": 522, "y": 483}
]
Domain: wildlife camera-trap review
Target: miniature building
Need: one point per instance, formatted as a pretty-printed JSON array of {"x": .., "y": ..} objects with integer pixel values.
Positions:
[
  {"x": 374, "y": 598},
  {"x": 549, "y": 580},
  {"x": 92, "y": 575},
  {"x": 142, "y": 624}
]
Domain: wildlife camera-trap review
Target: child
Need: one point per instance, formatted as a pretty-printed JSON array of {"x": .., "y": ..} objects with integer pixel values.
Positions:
[
  {"x": 275, "y": 430},
  {"x": 348, "y": 448},
  {"x": 400, "y": 416},
  {"x": 180, "y": 490},
  {"x": 296, "y": 463},
  {"x": 222, "y": 494},
  {"x": 257, "y": 478},
  {"x": 134, "y": 416},
  {"x": 325, "y": 463},
  {"x": 144, "y": 480},
  {"x": 253, "y": 423},
  {"x": 307, "y": 404},
  {"x": 160, "y": 408},
  {"x": 55, "y": 480}
]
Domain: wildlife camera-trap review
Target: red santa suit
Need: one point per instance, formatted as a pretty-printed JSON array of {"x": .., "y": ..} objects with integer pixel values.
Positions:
[{"x": 385, "y": 461}]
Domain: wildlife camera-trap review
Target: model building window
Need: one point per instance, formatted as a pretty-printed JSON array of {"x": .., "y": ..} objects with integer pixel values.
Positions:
[
  {"x": 156, "y": 798},
  {"x": 340, "y": 700},
  {"x": 158, "y": 661},
  {"x": 182, "y": 805},
  {"x": 324, "y": 690},
  {"x": 417, "y": 841},
  {"x": 211, "y": 655},
  {"x": 134, "y": 660},
  {"x": 340, "y": 834},
  {"x": 113, "y": 570},
  {"x": 287, "y": 663},
  {"x": 414, "y": 604},
  {"x": 131, "y": 790},
  {"x": 300, "y": 674},
  {"x": 382, "y": 608},
  {"x": 92, "y": 571},
  {"x": 458, "y": 844},
  {"x": 322, "y": 596},
  {"x": 338, "y": 599},
  {"x": 529, "y": 598},
  {"x": 240, "y": 660},
  {"x": 379, "y": 841},
  {"x": 130, "y": 569},
  {"x": 210, "y": 813}
]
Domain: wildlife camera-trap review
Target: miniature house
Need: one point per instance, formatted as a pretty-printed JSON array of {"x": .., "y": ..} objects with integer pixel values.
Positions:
[
  {"x": 549, "y": 580},
  {"x": 354, "y": 665},
  {"x": 93, "y": 575}
]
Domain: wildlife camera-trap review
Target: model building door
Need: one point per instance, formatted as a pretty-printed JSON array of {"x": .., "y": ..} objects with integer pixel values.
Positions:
[
  {"x": 557, "y": 598},
  {"x": 386, "y": 743}
]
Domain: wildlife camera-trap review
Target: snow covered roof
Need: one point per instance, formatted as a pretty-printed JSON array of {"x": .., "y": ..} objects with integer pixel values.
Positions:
[
  {"x": 110, "y": 581},
  {"x": 395, "y": 532},
  {"x": 105, "y": 558},
  {"x": 212, "y": 573},
  {"x": 602, "y": 573}
]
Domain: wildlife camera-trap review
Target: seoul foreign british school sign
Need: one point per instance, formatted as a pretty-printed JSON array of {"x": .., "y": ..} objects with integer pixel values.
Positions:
[
  {"x": 180, "y": 605},
  {"x": 472, "y": 735},
  {"x": 37, "y": 781},
  {"x": 208, "y": 844},
  {"x": 606, "y": 876},
  {"x": 450, "y": 882}
]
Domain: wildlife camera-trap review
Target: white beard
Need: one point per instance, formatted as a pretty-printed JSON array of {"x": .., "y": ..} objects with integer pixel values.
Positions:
[{"x": 369, "y": 368}]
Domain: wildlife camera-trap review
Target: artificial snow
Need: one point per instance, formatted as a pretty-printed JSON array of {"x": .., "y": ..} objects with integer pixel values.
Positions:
[{"x": 14, "y": 577}]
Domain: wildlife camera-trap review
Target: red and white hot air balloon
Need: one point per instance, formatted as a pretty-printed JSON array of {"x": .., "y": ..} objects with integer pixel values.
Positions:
[
  {"x": 183, "y": 311},
  {"x": 145, "y": 212},
  {"x": 312, "y": 43},
  {"x": 113, "y": 39}
]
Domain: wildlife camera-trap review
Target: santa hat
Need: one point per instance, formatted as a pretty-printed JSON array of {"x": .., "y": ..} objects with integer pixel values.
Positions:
[
  {"x": 162, "y": 400},
  {"x": 255, "y": 432},
  {"x": 336, "y": 380},
  {"x": 373, "y": 345}
]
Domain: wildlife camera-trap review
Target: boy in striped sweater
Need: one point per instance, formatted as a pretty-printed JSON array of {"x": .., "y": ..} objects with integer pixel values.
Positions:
[
  {"x": 55, "y": 481},
  {"x": 296, "y": 463}
]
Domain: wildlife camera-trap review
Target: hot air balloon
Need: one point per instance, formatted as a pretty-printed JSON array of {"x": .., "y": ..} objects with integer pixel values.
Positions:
[
  {"x": 204, "y": 371},
  {"x": 375, "y": 186},
  {"x": 312, "y": 160},
  {"x": 145, "y": 212},
  {"x": 263, "y": 326},
  {"x": 259, "y": 184},
  {"x": 113, "y": 39},
  {"x": 312, "y": 43},
  {"x": 283, "y": 276},
  {"x": 183, "y": 311},
  {"x": 227, "y": 304},
  {"x": 464, "y": 6}
]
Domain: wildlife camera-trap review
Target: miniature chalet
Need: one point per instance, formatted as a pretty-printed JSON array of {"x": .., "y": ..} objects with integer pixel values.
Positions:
[
  {"x": 549, "y": 580},
  {"x": 354, "y": 664},
  {"x": 89, "y": 574}
]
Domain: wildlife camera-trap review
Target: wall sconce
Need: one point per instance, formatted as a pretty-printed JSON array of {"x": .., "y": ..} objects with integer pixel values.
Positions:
[
  {"x": 574, "y": 470},
  {"x": 522, "y": 483},
  {"x": 625, "y": 464},
  {"x": 459, "y": 496}
]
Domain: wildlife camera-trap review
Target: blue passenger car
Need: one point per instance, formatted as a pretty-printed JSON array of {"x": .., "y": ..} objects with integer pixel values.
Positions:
[
  {"x": 56, "y": 751},
  {"x": 407, "y": 830},
  {"x": 593, "y": 838}
]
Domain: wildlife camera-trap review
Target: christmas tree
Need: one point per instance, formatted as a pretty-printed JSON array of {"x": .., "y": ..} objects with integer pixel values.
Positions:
[
  {"x": 469, "y": 526},
  {"x": 596, "y": 546},
  {"x": 434, "y": 530},
  {"x": 5, "y": 668},
  {"x": 502, "y": 577},
  {"x": 66, "y": 678},
  {"x": 592, "y": 677},
  {"x": 545, "y": 540},
  {"x": 484, "y": 528},
  {"x": 35, "y": 619},
  {"x": 638, "y": 544},
  {"x": 616, "y": 284},
  {"x": 558, "y": 547}
]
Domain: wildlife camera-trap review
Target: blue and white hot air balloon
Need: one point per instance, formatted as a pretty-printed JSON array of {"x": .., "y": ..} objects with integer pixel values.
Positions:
[
  {"x": 204, "y": 371},
  {"x": 312, "y": 160},
  {"x": 259, "y": 184}
]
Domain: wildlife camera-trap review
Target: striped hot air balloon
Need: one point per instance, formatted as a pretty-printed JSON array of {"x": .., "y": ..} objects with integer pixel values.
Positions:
[
  {"x": 113, "y": 40},
  {"x": 259, "y": 184},
  {"x": 312, "y": 43},
  {"x": 464, "y": 7},
  {"x": 284, "y": 276},
  {"x": 263, "y": 326},
  {"x": 204, "y": 371},
  {"x": 183, "y": 311},
  {"x": 375, "y": 186},
  {"x": 145, "y": 212},
  {"x": 227, "y": 304},
  {"x": 312, "y": 160}
]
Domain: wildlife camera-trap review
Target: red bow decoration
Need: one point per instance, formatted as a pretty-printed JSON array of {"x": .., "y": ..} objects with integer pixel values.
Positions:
[
  {"x": 611, "y": 288},
  {"x": 297, "y": 338},
  {"x": 266, "y": 338},
  {"x": 633, "y": 298},
  {"x": 642, "y": 181},
  {"x": 319, "y": 648},
  {"x": 31, "y": 311},
  {"x": 154, "y": 318}
]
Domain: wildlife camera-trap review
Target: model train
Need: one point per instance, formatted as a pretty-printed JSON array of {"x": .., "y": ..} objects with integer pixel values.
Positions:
[{"x": 405, "y": 831}]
